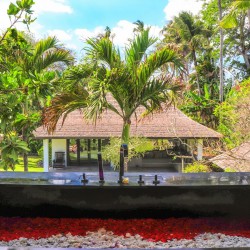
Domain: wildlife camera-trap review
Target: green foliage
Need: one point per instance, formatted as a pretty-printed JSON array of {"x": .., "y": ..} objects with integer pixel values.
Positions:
[
  {"x": 28, "y": 72},
  {"x": 137, "y": 147},
  {"x": 197, "y": 167},
  {"x": 235, "y": 9},
  {"x": 234, "y": 115},
  {"x": 10, "y": 148},
  {"x": 201, "y": 107},
  {"x": 230, "y": 170}
]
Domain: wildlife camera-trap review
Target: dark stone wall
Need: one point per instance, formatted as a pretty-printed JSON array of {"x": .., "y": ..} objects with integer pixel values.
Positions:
[{"x": 124, "y": 201}]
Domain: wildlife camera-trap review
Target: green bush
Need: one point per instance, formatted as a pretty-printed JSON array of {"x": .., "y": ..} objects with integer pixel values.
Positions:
[
  {"x": 137, "y": 147},
  {"x": 229, "y": 170},
  {"x": 197, "y": 167}
]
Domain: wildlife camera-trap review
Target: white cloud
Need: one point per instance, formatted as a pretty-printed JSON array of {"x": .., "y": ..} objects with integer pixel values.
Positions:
[
  {"x": 84, "y": 34},
  {"x": 72, "y": 46},
  {"x": 41, "y": 6},
  {"x": 56, "y": 6},
  {"x": 122, "y": 32},
  {"x": 5, "y": 22},
  {"x": 155, "y": 31},
  {"x": 60, "y": 34},
  {"x": 174, "y": 7}
]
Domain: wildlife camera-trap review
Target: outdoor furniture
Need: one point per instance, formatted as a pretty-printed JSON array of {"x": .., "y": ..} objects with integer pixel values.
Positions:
[{"x": 59, "y": 161}]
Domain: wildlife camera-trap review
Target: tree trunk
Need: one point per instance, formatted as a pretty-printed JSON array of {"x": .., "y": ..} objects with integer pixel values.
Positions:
[
  {"x": 221, "y": 53},
  {"x": 197, "y": 77},
  {"x": 25, "y": 162},
  {"x": 248, "y": 15},
  {"x": 125, "y": 131},
  {"x": 25, "y": 155}
]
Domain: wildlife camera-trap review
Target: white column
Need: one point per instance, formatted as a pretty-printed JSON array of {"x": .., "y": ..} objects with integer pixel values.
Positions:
[
  {"x": 199, "y": 149},
  {"x": 46, "y": 155},
  {"x": 59, "y": 145}
]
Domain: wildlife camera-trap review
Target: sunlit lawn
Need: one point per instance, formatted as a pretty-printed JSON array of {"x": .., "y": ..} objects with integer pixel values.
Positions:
[{"x": 33, "y": 166}]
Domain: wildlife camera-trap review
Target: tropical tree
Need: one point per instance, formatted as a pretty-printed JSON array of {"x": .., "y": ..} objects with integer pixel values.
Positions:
[
  {"x": 129, "y": 83},
  {"x": 190, "y": 35},
  {"x": 27, "y": 78},
  {"x": 238, "y": 12},
  {"x": 38, "y": 82},
  {"x": 236, "y": 39},
  {"x": 234, "y": 115}
]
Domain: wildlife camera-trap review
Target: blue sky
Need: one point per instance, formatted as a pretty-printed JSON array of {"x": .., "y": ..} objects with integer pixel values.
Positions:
[
  {"x": 92, "y": 13},
  {"x": 72, "y": 21}
]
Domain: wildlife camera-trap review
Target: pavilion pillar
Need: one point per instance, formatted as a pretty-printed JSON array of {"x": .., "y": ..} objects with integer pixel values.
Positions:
[
  {"x": 199, "y": 149},
  {"x": 46, "y": 155},
  {"x": 190, "y": 146}
]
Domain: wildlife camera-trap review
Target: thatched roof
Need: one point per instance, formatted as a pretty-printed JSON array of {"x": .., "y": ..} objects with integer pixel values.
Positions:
[
  {"x": 170, "y": 123},
  {"x": 237, "y": 158}
]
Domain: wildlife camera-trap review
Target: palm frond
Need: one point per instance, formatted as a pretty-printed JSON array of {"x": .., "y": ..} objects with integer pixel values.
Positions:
[
  {"x": 103, "y": 50},
  {"x": 154, "y": 62},
  {"x": 77, "y": 76},
  {"x": 51, "y": 57},
  {"x": 61, "y": 106},
  {"x": 44, "y": 45},
  {"x": 154, "y": 94},
  {"x": 138, "y": 47}
]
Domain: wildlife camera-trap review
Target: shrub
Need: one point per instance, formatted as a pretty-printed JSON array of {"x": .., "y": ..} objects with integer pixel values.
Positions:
[
  {"x": 229, "y": 170},
  {"x": 197, "y": 167},
  {"x": 138, "y": 146}
]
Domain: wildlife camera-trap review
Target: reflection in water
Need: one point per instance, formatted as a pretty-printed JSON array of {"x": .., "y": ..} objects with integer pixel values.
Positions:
[
  {"x": 111, "y": 179},
  {"x": 59, "y": 182}
]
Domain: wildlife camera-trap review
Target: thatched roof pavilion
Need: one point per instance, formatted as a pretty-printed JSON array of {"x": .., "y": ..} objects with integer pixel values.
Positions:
[
  {"x": 170, "y": 123},
  {"x": 237, "y": 159}
]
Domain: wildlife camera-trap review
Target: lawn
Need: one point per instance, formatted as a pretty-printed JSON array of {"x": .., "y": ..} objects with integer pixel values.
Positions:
[{"x": 33, "y": 165}]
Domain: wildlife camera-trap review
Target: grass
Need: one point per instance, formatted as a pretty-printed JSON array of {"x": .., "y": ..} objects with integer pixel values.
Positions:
[{"x": 33, "y": 165}]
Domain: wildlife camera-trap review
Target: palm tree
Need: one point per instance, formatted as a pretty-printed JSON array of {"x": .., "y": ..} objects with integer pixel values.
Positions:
[
  {"x": 190, "y": 35},
  {"x": 37, "y": 63},
  {"x": 139, "y": 26},
  {"x": 131, "y": 83}
]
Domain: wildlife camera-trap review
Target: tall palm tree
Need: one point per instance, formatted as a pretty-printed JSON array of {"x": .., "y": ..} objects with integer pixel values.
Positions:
[
  {"x": 132, "y": 82},
  {"x": 190, "y": 34}
]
